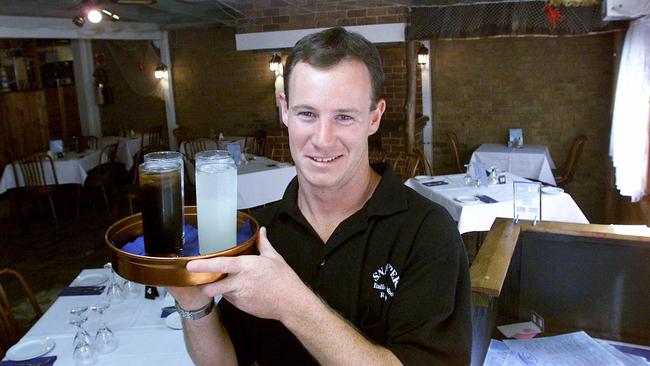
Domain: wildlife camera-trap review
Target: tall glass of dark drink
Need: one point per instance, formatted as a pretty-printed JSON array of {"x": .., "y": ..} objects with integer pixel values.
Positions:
[{"x": 162, "y": 208}]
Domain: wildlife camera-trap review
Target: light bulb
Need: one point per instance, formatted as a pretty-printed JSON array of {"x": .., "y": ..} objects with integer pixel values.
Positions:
[{"x": 94, "y": 16}]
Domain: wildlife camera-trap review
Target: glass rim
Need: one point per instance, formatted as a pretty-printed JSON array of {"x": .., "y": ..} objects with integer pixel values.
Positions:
[
  {"x": 213, "y": 155},
  {"x": 159, "y": 166},
  {"x": 163, "y": 155}
]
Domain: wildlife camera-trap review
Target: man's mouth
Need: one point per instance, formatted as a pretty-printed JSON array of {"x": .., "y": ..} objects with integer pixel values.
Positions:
[{"x": 328, "y": 159}]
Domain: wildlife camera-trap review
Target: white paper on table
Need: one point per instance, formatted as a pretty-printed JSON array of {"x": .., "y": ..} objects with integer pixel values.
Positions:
[
  {"x": 498, "y": 354},
  {"x": 573, "y": 349},
  {"x": 525, "y": 328},
  {"x": 626, "y": 359}
]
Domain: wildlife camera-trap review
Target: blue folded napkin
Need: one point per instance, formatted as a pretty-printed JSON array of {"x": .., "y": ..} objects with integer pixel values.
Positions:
[
  {"x": 191, "y": 247},
  {"x": 40, "y": 361},
  {"x": 81, "y": 290},
  {"x": 167, "y": 310},
  {"x": 486, "y": 199}
]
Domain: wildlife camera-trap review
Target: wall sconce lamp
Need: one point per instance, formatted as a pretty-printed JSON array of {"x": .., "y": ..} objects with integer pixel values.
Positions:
[
  {"x": 423, "y": 55},
  {"x": 276, "y": 62},
  {"x": 161, "y": 72}
]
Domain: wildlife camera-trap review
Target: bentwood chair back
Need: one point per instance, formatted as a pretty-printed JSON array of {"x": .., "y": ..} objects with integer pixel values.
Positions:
[
  {"x": 406, "y": 165},
  {"x": 194, "y": 146},
  {"x": 454, "y": 146},
  {"x": 426, "y": 168},
  {"x": 104, "y": 175},
  {"x": 571, "y": 163},
  {"x": 35, "y": 169},
  {"x": 10, "y": 331},
  {"x": 255, "y": 143},
  {"x": 377, "y": 155},
  {"x": 152, "y": 137}
]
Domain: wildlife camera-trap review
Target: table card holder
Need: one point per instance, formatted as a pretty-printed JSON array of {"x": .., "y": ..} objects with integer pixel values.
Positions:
[
  {"x": 527, "y": 202},
  {"x": 516, "y": 138},
  {"x": 151, "y": 292},
  {"x": 235, "y": 150},
  {"x": 481, "y": 175}
]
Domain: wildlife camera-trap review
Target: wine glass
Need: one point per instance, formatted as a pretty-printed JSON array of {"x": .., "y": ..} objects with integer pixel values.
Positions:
[
  {"x": 114, "y": 291},
  {"x": 105, "y": 341},
  {"x": 78, "y": 319},
  {"x": 131, "y": 289},
  {"x": 83, "y": 354},
  {"x": 468, "y": 179}
]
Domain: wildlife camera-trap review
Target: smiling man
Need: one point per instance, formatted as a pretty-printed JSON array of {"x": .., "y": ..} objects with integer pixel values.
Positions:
[{"x": 355, "y": 268}]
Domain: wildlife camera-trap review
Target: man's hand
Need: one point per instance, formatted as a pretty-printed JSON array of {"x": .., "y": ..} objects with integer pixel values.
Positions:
[{"x": 262, "y": 285}]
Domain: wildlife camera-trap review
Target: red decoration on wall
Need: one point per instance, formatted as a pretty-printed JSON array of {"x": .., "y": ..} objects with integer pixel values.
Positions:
[
  {"x": 140, "y": 67},
  {"x": 100, "y": 59},
  {"x": 553, "y": 15}
]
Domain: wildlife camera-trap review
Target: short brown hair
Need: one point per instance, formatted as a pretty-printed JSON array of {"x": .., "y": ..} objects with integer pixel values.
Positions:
[{"x": 327, "y": 48}]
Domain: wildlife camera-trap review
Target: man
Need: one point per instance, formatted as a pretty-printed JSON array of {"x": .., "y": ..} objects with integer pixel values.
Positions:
[{"x": 355, "y": 268}]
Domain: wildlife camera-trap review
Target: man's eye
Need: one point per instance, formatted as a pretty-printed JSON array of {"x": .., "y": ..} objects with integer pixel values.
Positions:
[
  {"x": 344, "y": 118},
  {"x": 307, "y": 114}
]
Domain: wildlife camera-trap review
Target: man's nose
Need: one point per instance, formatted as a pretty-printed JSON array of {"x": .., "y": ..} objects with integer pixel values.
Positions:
[{"x": 325, "y": 133}]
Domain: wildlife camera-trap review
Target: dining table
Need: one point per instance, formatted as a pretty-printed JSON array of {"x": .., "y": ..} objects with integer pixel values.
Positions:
[
  {"x": 126, "y": 149},
  {"x": 144, "y": 336},
  {"x": 72, "y": 168},
  {"x": 451, "y": 192},
  {"x": 529, "y": 161}
]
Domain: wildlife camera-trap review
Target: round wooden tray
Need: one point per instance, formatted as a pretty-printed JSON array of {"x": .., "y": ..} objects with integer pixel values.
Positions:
[{"x": 165, "y": 271}]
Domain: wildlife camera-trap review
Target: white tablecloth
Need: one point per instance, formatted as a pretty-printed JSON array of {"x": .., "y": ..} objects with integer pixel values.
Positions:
[
  {"x": 530, "y": 161},
  {"x": 72, "y": 169},
  {"x": 126, "y": 148},
  {"x": 262, "y": 181},
  {"x": 479, "y": 216},
  {"x": 143, "y": 337}
]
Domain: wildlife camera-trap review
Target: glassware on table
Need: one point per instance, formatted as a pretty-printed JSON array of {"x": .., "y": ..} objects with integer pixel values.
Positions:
[
  {"x": 469, "y": 179},
  {"x": 162, "y": 216},
  {"x": 114, "y": 292},
  {"x": 78, "y": 319},
  {"x": 105, "y": 341},
  {"x": 84, "y": 354},
  {"x": 131, "y": 289},
  {"x": 172, "y": 156},
  {"x": 216, "y": 200}
]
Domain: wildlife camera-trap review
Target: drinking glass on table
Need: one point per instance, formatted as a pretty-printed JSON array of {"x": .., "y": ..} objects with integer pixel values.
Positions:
[
  {"x": 114, "y": 291},
  {"x": 78, "y": 319},
  {"x": 105, "y": 341},
  {"x": 216, "y": 200}
]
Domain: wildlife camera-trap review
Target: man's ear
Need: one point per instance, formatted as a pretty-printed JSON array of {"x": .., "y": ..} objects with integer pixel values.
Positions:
[
  {"x": 375, "y": 116},
  {"x": 285, "y": 110}
]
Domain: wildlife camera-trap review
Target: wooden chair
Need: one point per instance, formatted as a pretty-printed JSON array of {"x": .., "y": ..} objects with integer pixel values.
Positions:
[
  {"x": 377, "y": 155},
  {"x": 104, "y": 175},
  {"x": 571, "y": 163},
  {"x": 180, "y": 134},
  {"x": 455, "y": 149},
  {"x": 407, "y": 165},
  {"x": 10, "y": 332},
  {"x": 88, "y": 142},
  {"x": 279, "y": 153},
  {"x": 193, "y": 146},
  {"x": 427, "y": 168},
  {"x": 152, "y": 137},
  {"x": 35, "y": 169},
  {"x": 255, "y": 143},
  {"x": 7, "y": 160}
]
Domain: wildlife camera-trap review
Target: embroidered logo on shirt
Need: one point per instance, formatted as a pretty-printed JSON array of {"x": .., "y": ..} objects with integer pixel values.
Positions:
[{"x": 385, "y": 281}]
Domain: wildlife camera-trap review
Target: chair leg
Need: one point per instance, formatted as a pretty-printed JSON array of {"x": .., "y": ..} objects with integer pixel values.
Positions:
[
  {"x": 49, "y": 197},
  {"x": 131, "y": 206}
]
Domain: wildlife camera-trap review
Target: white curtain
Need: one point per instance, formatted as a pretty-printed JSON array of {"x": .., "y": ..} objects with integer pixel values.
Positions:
[
  {"x": 128, "y": 56},
  {"x": 629, "y": 139}
]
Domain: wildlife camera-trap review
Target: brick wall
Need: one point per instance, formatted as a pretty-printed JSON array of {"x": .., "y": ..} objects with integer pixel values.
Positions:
[
  {"x": 276, "y": 15},
  {"x": 553, "y": 88},
  {"x": 129, "y": 111},
  {"x": 221, "y": 89}
]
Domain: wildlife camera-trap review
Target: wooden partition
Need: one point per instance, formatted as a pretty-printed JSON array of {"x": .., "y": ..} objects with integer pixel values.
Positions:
[
  {"x": 24, "y": 122},
  {"x": 587, "y": 277}
]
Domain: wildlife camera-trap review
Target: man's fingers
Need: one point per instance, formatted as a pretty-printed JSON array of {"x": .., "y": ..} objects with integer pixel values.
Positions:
[
  {"x": 218, "y": 264},
  {"x": 264, "y": 245}
]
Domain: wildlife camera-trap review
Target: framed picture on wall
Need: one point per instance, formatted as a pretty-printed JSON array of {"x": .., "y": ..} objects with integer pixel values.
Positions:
[{"x": 516, "y": 138}]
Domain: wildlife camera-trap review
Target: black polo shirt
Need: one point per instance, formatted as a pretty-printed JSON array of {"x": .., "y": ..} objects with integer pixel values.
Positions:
[{"x": 396, "y": 269}]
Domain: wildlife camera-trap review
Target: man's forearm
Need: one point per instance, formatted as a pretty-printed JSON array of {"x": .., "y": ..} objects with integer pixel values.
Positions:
[
  {"x": 332, "y": 340},
  {"x": 207, "y": 341}
]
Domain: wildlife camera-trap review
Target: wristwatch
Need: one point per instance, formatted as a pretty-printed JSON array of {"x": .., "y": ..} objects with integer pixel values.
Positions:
[{"x": 195, "y": 314}]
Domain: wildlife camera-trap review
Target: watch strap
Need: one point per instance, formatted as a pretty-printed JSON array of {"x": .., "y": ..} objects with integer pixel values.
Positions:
[{"x": 195, "y": 314}]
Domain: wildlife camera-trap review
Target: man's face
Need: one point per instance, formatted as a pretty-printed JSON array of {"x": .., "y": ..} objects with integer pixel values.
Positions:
[{"x": 329, "y": 121}]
